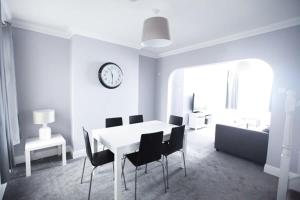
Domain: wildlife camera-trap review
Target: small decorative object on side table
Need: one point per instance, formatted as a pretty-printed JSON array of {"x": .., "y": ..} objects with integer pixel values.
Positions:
[
  {"x": 44, "y": 117},
  {"x": 33, "y": 144}
]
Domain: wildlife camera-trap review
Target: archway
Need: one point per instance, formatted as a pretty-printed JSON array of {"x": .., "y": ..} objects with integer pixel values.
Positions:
[{"x": 238, "y": 91}]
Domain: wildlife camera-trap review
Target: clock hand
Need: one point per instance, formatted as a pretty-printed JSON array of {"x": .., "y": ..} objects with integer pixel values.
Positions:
[{"x": 112, "y": 77}]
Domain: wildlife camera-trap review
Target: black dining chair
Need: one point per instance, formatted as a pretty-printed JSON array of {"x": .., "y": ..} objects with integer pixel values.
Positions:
[
  {"x": 150, "y": 150},
  {"x": 173, "y": 145},
  {"x": 175, "y": 120},
  {"x": 136, "y": 119},
  {"x": 112, "y": 122},
  {"x": 97, "y": 159}
]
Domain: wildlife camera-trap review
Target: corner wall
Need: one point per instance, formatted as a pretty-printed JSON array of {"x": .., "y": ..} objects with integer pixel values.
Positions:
[{"x": 147, "y": 86}]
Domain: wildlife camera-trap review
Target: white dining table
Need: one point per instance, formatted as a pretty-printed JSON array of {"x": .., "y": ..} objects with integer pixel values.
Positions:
[{"x": 126, "y": 139}]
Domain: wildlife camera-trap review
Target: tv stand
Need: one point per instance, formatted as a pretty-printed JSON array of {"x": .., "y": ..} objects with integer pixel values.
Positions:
[{"x": 199, "y": 120}]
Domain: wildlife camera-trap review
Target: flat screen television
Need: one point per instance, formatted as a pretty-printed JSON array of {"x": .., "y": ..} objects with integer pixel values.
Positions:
[{"x": 197, "y": 106}]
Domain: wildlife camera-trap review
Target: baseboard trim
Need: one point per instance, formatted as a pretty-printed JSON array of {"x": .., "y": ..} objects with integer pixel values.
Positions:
[
  {"x": 78, "y": 153},
  {"x": 2, "y": 190},
  {"x": 41, "y": 154},
  {"x": 275, "y": 171}
]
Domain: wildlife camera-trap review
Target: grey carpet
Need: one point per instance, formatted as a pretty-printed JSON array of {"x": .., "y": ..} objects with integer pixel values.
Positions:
[{"x": 211, "y": 175}]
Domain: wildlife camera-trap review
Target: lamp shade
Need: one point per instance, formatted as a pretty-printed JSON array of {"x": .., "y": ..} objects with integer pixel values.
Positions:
[
  {"x": 156, "y": 32},
  {"x": 43, "y": 116}
]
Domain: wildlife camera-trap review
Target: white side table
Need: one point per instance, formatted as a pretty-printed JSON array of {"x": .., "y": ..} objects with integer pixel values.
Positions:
[{"x": 33, "y": 144}]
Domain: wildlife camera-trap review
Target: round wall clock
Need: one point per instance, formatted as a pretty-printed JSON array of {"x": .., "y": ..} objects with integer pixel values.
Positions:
[{"x": 110, "y": 75}]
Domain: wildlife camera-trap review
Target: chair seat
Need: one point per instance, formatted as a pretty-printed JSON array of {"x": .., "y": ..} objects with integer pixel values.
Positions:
[
  {"x": 133, "y": 158},
  {"x": 102, "y": 157},
  {"x": 166, "y": 150}
]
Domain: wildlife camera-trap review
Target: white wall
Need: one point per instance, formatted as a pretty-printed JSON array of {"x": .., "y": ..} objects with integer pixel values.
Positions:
[
  {"x": 176, "y": 95},
  {"x": 91, "y": 102},
  {"x": 280, "y": 49}
]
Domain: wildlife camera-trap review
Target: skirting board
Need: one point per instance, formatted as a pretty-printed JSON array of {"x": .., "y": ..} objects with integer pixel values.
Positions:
[
  {"x": 275, "y": 171},
  {"x": 41, "y": 154},
  {"x": 2, "y": 190}
]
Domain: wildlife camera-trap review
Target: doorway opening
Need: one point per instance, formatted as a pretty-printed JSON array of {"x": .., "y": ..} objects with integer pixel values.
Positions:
[{"x": 234, "y": 93}]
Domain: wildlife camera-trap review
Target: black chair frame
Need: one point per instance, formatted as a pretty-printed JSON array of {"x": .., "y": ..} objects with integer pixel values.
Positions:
[
  {"x": 149, "y": 151},
  {"x": 107, "y": 154},
  {"x": 136, "y": 119},
  {"x": 175, "y": 144}
]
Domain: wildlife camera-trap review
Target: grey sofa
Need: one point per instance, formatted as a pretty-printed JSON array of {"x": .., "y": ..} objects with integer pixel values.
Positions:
[{"x": 244, "y": 143}]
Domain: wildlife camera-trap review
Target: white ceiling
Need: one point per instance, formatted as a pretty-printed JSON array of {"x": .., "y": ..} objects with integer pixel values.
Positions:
[{"x": 121, "y": 21}]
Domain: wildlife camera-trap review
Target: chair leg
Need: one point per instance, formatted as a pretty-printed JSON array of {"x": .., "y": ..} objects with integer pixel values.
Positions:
[
  {"x": 146, "y": 169},
  {"x": 135, "y": 183},
  {"x": 167, "y": 169},
  {"x": 91, "y": 183},
  {"x": 83, "y": 170},
  {"x": 163, "y": 168},
  {"x": 183, "y": 157},
  {"x": 123, "y": 174}
]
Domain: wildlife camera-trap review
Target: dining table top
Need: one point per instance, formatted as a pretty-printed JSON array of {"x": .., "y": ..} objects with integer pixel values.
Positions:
[{"x": 130, "y": 134}]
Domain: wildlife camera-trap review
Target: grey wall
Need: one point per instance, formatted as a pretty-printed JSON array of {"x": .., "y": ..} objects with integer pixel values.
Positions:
[
  {"x": 91, "y": 102},
  {"x": 147, "y": 86},
  {"x": 43, "y": 81},
  {"x": 280, "y": 49}
]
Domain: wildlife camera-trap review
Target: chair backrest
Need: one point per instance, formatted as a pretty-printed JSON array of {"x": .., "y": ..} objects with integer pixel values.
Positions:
[
  {"x": 111, "y": 122},
  {"x": 135, "y": 119},
  {"x": 176, "y": 138},
  {"x": 150, "y": 147},
  {"x": 176, "y": 120},
  {"x": 87, "y": 145}
]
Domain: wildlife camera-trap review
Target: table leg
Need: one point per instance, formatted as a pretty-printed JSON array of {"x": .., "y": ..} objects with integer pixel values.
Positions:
[
  {"x": 59, "y": 150},
  {"x": 95, "y": 145},
  {"x": 64, "y": 152},
  {"x": 118, "y": 171},
  {"x": 27, "y": 163},
  {"x": 184, "y": 148}
]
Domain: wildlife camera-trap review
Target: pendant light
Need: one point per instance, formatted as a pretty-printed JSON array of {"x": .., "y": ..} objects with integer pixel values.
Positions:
[{"x": 156, "y": 32}]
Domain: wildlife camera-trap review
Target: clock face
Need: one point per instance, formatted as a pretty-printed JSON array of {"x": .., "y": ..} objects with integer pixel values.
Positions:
[{"x": 110, "y": 75}]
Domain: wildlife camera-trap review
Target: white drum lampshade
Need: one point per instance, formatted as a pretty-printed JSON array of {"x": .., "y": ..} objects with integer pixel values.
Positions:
[
  {"x": 156, "y": 32},
  {"x": 44, "y": 117}
]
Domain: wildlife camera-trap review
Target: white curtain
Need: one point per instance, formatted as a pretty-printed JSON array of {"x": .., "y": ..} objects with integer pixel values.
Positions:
[
  {"x": 8, "y": 82},
  {"x": 232, "y": 89},
  {"x": 9, "y": 126}
]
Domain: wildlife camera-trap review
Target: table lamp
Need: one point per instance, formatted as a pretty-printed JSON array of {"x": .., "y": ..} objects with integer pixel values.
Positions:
[{"x": 44, "y": 117}]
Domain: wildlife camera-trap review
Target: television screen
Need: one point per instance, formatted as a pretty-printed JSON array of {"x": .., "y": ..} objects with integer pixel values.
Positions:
[{"x": 197, "y": 103}]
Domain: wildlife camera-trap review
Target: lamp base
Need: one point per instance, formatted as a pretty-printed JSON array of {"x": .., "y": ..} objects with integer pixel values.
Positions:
[{"x": 45, "y": 133}]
